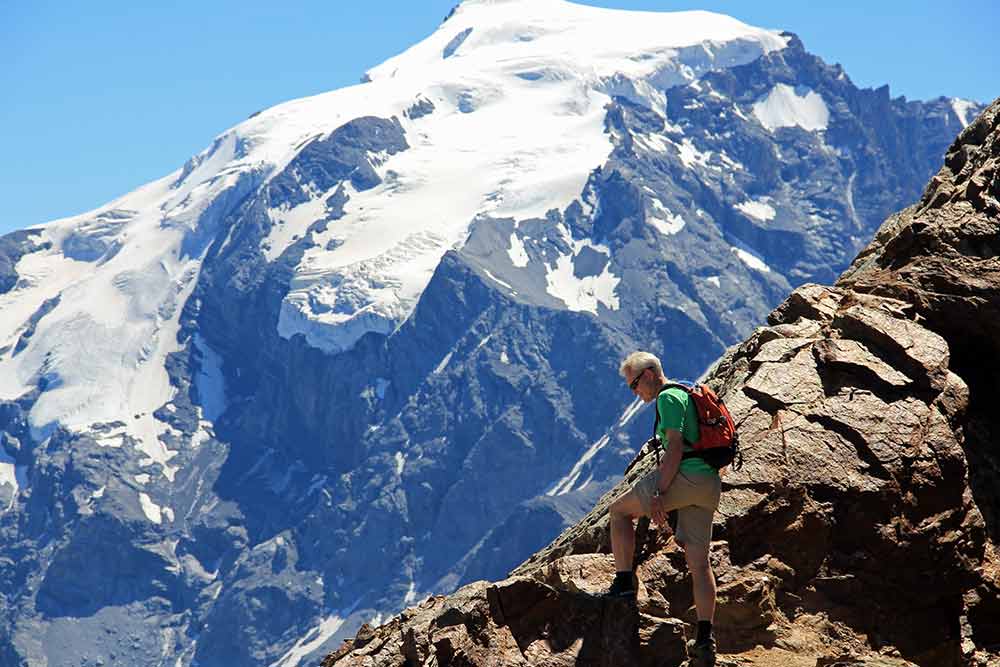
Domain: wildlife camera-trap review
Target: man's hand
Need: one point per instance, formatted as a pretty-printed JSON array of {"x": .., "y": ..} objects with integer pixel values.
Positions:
[
  {"x": 668, "y": 470},
  {"x": 657, "y": 513}
]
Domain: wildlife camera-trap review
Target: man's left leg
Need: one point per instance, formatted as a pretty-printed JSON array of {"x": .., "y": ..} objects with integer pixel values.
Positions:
[
  {"x": 694, "y": 532},
  {"x": 701, "y": 650},
  {"x": 702, "y": 580}
]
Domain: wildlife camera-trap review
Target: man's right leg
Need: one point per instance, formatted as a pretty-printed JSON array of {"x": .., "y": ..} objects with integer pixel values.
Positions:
[{"x": 623, "y": 513}]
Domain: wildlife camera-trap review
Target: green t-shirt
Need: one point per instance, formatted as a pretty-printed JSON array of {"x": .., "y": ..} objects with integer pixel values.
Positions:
[{"x": 677, "y": 412}]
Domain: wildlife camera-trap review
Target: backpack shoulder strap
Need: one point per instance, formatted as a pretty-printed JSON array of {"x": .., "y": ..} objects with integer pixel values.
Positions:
[
  {"x": 670, "y": 385},
  {"x": 656, "y": 403}
]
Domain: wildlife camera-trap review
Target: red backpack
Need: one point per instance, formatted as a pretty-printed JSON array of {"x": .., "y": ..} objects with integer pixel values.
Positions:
[{"x": 718, "y": 442}]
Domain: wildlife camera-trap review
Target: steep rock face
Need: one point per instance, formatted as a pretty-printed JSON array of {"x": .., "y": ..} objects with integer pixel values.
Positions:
[
  {"x": 862, "y": 527},
  {"x": 942, "y": 256},
  {"x": 878, "y": 150}
]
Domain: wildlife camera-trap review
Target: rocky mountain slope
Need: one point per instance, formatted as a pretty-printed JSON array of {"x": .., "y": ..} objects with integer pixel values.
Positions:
[
  {"x": 364, "y": 347},
  {"x": 862, "y": 529}
]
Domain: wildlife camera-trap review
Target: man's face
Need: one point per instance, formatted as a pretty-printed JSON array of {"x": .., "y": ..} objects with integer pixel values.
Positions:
[{"x": 642, "y": 384}]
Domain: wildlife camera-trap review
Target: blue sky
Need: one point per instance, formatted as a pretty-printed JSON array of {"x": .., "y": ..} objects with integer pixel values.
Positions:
[{"x": 97, "y": 98}]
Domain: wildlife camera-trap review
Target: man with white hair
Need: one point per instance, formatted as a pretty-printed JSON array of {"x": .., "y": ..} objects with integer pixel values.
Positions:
[{"x": 686, "y": 484}]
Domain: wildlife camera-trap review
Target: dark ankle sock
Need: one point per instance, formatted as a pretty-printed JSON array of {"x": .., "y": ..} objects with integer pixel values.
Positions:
[
  {"x": 624, "y": 577},
  {"x": 704, "y": 632}
]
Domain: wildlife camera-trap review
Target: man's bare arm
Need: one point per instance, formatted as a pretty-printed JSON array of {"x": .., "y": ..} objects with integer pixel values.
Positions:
[{"x": 671, "y": 461}]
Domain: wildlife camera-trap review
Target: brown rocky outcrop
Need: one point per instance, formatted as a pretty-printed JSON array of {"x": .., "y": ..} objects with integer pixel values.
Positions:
[{"x": 863, "y": 527}]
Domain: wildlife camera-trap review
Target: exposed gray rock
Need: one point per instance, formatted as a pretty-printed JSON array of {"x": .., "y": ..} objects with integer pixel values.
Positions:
[
  {"x": 96, "y": 239},
  {"x": 13, "y": 247},
  {"x": 345, "y": 155},
  {"x": 32, "y": 323},
  {"x": 455, "y": 43},
  {"x": 422, "y": 107}
]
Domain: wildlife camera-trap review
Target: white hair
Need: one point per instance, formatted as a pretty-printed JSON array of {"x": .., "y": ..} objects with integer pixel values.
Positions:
[{"x": 638, "y": 361}]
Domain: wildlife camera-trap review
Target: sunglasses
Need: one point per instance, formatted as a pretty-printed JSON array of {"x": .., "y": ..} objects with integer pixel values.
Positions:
[{"x": 635, "y": 383}]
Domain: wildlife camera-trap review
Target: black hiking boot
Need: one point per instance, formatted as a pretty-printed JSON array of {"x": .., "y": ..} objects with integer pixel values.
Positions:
[
  {"x": 701, "y": 654},
  {"x": 623, "y": 587}
]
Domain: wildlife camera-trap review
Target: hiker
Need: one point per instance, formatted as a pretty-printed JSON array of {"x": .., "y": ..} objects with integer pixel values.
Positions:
[{"x": 691, "y": 486}]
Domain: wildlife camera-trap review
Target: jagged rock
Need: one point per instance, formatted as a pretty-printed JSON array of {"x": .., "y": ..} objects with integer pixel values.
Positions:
[
  {"x": 862, "y": 530},
  {"x": 855, "y": 356},
  {"x": 914, "y": 348},
  {"x": 521, "y": 621},
  {"x": 811, "y": 302}
]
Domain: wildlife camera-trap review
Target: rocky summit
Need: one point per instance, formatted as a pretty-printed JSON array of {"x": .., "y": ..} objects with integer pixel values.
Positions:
[{"x": 862, "y": 529}]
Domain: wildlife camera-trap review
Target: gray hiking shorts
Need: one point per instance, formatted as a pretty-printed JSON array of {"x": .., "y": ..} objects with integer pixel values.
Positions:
[{"x": 695, "y": 496}]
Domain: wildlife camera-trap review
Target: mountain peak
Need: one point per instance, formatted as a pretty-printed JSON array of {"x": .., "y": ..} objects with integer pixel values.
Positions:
[{"x": 486, "y": 34}]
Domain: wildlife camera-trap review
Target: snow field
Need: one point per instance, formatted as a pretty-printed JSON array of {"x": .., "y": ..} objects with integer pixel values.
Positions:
[
  {"x": 150, "y": 509},
  {"x": 785, "y": 107},
  {"x": 962, "y": 108},
  {"x": 101, "y": 351},
  {"x": 751, "y": 259},
  {"x": 519, "y": 96},
  {"x": 665, "y": 222},
  {"x": 582, "y": 294},
  {"x": 310, "y": 642},
  {"x": 11, "y": 475},
  {"x": 759, "y": 209},
  {"x": 393, "y": 236}
]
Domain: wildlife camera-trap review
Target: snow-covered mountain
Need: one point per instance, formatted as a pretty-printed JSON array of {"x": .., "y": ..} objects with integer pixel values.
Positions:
[{"x": 364, "y": 347}]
